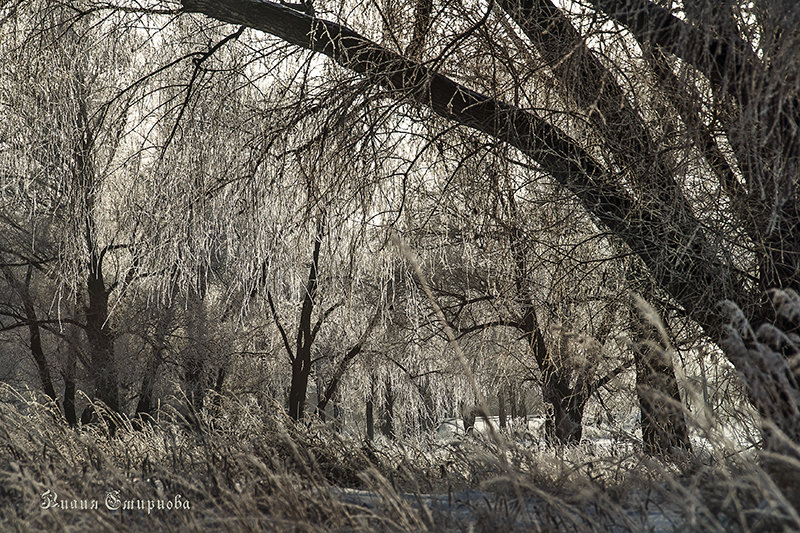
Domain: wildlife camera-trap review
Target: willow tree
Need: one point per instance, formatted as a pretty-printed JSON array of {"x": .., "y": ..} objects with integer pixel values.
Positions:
[
  {"x": 692, "y": 164},
  {"x": 62, "y": 139}
]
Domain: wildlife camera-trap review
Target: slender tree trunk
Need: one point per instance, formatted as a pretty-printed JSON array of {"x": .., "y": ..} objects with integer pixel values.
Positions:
[
  {"x": 197, "y": 354},
  {"x": 69, "y": 387},
  {"x": 370, "y": 415},
  {"x": 427, "y": 411},
  {"x": 338, "y": 421},
  {"x": 501, "y": 407},
  {"x": 306, "y": 332},
  {"x": 219, "y": 384},
  {"x": 301, "y": 369},
  {"x": 338, "y": 374},
  {"x": 388, "y": 425},
  {"x": 512, "y": 400},
  {"x": 38, "y": 352}
]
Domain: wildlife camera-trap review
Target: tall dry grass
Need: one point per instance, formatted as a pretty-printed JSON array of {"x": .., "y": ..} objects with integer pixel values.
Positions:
[{"x": 249, "y": 470}]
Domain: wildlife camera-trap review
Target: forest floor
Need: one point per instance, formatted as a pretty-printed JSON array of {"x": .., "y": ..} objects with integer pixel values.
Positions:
[{"x": 250, "y": 471}]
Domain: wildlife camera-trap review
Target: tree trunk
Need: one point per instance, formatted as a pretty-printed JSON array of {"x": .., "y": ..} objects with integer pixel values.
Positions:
[
  {"x": 38, "y": 352},
  {"x": 301, "y": 370},
  {"x": 387, "y": 427},
  {"x": 501, "y": 407},
  {"x": 664, "y": 430},
  {"x": 306, "y": 332},
  {"x": 370, "y": 419},
  {"x": 69, "y": 392},
  {"x": 564, "y": 424},
  {"x": 144, "y": 407},
  {"x": 469, "y": 414},
  {"x": 101, "y": 343},
  {"x": 512, "y": 399},
  {"x": 70, "y": 414},
  {"x": 197, "y": 354}
]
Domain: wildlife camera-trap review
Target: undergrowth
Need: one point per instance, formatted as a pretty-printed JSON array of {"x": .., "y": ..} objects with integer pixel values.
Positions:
[{"x": 246, "y": 470}]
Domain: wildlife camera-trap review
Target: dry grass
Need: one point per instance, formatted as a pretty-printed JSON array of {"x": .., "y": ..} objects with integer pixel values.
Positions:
[{"x": 254, "y": 471}]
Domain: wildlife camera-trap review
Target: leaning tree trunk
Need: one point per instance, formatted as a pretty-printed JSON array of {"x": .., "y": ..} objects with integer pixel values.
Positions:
[{"x": 661, "y": 231}]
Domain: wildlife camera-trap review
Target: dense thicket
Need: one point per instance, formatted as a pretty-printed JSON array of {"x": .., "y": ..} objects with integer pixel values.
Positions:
[{"x": 432, "y": 210}]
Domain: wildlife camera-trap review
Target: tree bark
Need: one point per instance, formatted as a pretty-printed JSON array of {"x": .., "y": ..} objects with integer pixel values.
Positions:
[
  {"x": 144, "y": 407},
  {"x": 664, "y": 430},
  {"x": 301, "y": 369},
  {"x": 501, "y": 408},
  {"x": 101, "y": 341},
  {"x": 663, "y": 421},
  {"x": 370, "y": 414},
  {"x": 306, "y": 333}
]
